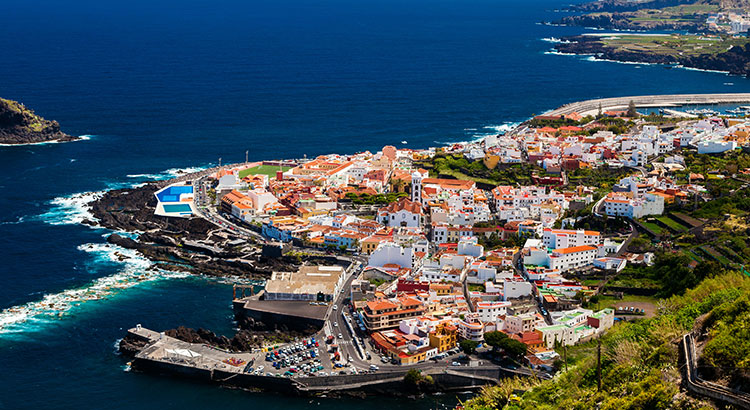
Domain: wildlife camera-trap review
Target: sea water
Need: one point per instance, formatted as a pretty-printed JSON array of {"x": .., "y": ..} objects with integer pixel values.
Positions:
[{"x": 160, "y": 86}]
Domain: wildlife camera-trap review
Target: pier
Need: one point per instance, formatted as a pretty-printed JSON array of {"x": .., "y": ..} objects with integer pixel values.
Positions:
[{"x": 167, "y": 355}]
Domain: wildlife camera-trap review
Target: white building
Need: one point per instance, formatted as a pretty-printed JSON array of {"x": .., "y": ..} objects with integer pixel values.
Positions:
[
  {"x": 404, "y": 213},
  {"x": 566, "y": 238},
  {"x": 391, "y": 253},
  {"x": 617, "y": 204},
  {"x": 489, "y": 311},
  {"x": 566, "y": 259},
  {"x": 514, "y": 288}
]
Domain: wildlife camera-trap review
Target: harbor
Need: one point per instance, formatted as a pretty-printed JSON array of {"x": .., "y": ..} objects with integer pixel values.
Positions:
[{"x": 167, "y": 355}]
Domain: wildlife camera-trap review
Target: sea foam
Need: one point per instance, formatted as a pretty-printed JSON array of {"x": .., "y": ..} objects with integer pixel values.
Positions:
[
  {"x": 169, "y": 173},
  {"x": 55, "y": 306}
]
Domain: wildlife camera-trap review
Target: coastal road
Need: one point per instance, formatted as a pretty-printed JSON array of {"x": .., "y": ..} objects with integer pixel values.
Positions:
[{"x": 206, "y": 210}]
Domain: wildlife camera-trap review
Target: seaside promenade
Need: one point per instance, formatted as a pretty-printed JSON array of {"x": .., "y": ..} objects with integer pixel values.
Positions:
[{"x": 591, "y": 107}]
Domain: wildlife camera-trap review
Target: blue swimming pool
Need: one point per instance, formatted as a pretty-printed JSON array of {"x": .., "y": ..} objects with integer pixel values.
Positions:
[
  {"x": 177, "y": 208},
  {"x": 172, "y": 194}
]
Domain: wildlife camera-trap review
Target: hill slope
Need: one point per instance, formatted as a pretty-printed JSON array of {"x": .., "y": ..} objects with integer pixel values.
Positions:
[{"x": 640, "y": 367}]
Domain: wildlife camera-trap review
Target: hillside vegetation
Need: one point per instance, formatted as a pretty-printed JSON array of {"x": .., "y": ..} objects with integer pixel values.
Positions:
[{"x": 640, "y": 359}]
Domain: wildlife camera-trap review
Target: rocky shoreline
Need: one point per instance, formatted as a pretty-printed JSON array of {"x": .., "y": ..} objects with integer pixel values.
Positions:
[
  {"x": 19, "y": 125},
  {"x": 191, "y": 245},
  {"x": 735, "y": 61}
]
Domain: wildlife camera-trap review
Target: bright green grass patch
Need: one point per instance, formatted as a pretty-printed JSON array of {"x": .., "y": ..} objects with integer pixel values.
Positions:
[
  {"x": 653, "y": 227},
  {"x": 671, "y": 223},
  {"x": 269, "y": 170}
]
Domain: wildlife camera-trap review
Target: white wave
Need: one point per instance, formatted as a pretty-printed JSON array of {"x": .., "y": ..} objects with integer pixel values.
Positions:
[
  {"x": 557, "y": 40},
  {"x": 80, "y": 138},
  {"x": 597, "y": 59},
  {"x": 503, "y": 128},
  {"x": 701, "y": 69},
  {"x": 557, "y": 53},
  {"x": 71, "y": 209},
  {"x": 136, "y": 270},
  {"x": 169, "y": 173},
  {"x": 18, "y": 220},
  {"x": 31, "y": 143}
]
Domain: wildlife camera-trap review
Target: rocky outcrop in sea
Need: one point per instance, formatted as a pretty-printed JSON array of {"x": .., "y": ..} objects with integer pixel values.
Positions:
[{"x": 20, "y": 125}]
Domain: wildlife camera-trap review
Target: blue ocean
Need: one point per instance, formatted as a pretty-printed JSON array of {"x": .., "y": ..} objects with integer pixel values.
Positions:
[{"x": 158, "y": 86}]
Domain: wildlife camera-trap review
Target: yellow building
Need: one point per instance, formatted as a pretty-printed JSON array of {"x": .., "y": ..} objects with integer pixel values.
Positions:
[
  {"x": 441, "y": 289},
  {"x": 444, "y": 337}
]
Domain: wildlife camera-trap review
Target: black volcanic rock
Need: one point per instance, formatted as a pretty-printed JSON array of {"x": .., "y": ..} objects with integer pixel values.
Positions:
[
  {"x": 125, "y": 242},
  {"x": 243, "y": 341},
  {"x": 19, "y": 125},
  {"x": 130, "y": 345}
]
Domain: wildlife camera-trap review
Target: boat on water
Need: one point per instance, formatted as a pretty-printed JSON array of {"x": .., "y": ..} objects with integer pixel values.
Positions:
[
  {"x": 403, "y": 142},
  {"x": 702, "y": 111}
]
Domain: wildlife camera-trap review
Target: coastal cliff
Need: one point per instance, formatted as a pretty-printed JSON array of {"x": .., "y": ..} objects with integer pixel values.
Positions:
[
  {"x": 20, "y": 125},
  {"x": 626, "y": 21},
  {"x": 647, "y": 15},
  {"x": 736, "y": 60}
]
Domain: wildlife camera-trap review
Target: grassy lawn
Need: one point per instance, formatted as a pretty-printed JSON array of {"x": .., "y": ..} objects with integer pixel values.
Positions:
[
  {"x": 269, "y": 170},
  {"x": 653, "y": 227},
  {"x": 459, "y": 175},
  {"x": 591, "y": 282},
  {"x": 671, "y": 223}
]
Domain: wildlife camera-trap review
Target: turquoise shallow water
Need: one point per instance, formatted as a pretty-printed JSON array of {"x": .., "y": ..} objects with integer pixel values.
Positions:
[{"x": 163, "y": 85}]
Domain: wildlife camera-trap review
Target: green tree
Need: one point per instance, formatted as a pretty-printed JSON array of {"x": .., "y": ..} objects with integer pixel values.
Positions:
[
  {"x": 499, "y": 340},
  {"x": 468, "y": 346},
  {"x": 632, "y": 113},
  {"x": 413, "y": 377}
]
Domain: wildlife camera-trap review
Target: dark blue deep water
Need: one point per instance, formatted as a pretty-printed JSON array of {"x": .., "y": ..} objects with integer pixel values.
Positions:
[{"x": 162, "y": 85}]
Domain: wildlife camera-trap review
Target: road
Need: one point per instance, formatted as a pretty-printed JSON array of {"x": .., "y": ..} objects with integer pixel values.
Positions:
[{"x": 206, "y": 210}]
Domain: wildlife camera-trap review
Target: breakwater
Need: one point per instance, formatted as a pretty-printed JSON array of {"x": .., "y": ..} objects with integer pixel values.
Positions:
[{"x": 668, "y": 100}]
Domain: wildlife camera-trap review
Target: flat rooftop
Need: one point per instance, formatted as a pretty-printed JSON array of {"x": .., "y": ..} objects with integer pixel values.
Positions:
[
  {"x": 307, "y": 280},
  {"x": 288, "y": 307}
]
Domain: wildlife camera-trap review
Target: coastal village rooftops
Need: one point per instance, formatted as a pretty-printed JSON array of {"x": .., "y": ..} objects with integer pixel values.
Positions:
[
  {"x": 456, "y": 184},
  {"x": 380, "y": 305},
  {"x": 402, "y": 204},
  {"x": 575, "y": 249}
]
